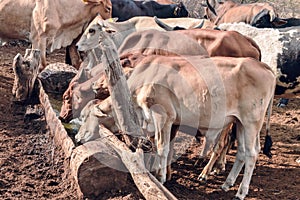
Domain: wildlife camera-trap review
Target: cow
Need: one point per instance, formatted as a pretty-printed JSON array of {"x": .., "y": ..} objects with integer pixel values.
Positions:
[
  {"x": 283, "y": 55},
  {"x": 80, "y": 92},
  {"x": 217, "y": 43},
  {"x": 123, "y": 29},
  {"x": 221, "y": 43},
  {"x": 253, "y": 14},
  {"x": 13, "y": 23},
  {"x": 25, "y": 71},
  {"x": 204, "y": 93},
  {"x": 59, "y": 27},
  {"x": 161, "y": 44},
  {"x": 45, "y": 22},
  {"x": 137, "y": 23},
  {"x": 126, "y": 9}
]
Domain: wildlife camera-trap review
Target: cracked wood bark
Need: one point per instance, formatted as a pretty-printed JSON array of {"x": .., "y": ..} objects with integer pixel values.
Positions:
[{"x": 149, "y": 186}]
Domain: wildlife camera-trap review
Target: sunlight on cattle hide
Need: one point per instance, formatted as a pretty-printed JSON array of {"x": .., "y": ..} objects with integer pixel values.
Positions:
[{"x": 280, "y": 50}]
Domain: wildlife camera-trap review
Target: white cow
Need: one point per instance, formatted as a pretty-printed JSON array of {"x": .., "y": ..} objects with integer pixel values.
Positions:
[{"x": 45, "y": 22}]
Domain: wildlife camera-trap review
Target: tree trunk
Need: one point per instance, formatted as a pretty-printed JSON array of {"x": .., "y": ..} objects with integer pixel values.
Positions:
[
  {"x": 127, "y": 119},
  {"x": 147, "y": 184}
]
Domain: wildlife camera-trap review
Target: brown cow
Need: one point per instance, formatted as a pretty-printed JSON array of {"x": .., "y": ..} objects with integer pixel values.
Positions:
[
  {"x": 164, "y": 46},
  {"x": 230, "y": 12},
  {"x": 220, "y": 43}
]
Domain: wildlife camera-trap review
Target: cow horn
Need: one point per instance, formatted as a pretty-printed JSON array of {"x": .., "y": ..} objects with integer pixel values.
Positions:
[
  {"x": 27, "y": 53},
  {"x": 200, "y": 25},
  {"x": 162, "y": 24},
  {"x": 211, "y": 8},
  {"x": 272, "y": 15}
]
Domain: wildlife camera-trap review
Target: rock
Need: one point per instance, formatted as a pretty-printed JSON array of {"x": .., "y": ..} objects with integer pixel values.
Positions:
[{"x": 56, "y": 77}]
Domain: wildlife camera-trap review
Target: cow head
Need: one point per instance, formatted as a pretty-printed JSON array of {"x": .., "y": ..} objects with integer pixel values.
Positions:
[
  {"x": 215, "y": 8},
  {"x": 26, "y": 71},
  {"x": 180, "y": 10},
  {"x": 266, "y": 19},
  {"x": 91, "y": 36},
  {"x": 105, "y": 7},
  {"x": 75, "y": 98},
  {"x": 89, "y": 129},
  {"x": 65, "y": 114},
  {"x": 210, "y": 8},
  {"x": 93, "y": 114}
]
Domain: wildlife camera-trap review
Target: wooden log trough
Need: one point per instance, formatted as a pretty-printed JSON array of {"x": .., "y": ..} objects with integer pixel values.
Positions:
[
  {"x": 91, "y": 176},
  {"x": 103, "y": 164}
]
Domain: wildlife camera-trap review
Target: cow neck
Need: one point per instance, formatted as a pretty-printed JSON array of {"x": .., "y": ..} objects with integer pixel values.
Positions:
[{"x": 123, "y": 29}]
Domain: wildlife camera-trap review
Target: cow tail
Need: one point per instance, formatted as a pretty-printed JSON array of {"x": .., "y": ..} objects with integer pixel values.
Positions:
[{"x": 268, "y": 139}]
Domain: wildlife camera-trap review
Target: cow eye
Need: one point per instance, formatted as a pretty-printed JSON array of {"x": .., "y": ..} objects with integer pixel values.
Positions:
[
  {"x": 66, "y": 98},
  {"x": 109, "y": 31},
  {"x": 92, "y": 31}
]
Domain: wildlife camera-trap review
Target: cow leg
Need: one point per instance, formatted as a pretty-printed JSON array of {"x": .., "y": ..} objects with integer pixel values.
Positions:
[
  {"x": 218, "y": 149},
  {"x": 41, "y": 45},
  {"x": 72, "y": 56},
  {"x": 174, "y": 131},
  {"x": 221, "y": 162},
  {"x": 163, "y": 124},
  {"x": 252, "y": 147},
  {"x": 239, "y": 160}
]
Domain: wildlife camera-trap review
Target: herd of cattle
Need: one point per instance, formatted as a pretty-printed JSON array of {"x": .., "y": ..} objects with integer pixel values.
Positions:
[{"x": 207, "y": 74}]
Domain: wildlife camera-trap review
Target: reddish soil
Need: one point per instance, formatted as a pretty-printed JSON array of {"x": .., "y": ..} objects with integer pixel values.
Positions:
[{"x": 32, "y": 167}]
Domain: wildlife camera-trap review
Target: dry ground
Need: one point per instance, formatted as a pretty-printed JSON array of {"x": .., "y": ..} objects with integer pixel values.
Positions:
[{"x": 32, "y": 167}]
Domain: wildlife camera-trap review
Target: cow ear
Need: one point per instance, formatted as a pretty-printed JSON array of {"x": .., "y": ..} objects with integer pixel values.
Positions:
[
  {"x": 278, "y": 22},
  {"x": 107, "y": 27},
  {"x": 259, "y": 16},
  {"x": 98, "y": 112}
]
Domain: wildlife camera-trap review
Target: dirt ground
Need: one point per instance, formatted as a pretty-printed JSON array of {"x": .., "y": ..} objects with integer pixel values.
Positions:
[{"x": 32, "y": 167}]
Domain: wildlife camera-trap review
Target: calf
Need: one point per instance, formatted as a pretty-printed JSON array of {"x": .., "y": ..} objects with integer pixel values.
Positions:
[{"x": 215, "y": 91}]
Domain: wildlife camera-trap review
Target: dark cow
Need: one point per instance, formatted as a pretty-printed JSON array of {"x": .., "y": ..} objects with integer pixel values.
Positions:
[{"x": 126, "y": 9}]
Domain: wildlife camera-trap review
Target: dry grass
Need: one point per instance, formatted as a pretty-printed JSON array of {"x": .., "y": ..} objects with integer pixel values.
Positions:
[{"x": 285, "y": 8}]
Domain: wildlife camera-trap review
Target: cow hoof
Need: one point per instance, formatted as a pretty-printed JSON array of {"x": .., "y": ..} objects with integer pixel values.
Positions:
[
  {"x": 282, "y": 102},
  {"x": 202, "y": 180},
  {"x": 225, "y": 187}
]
